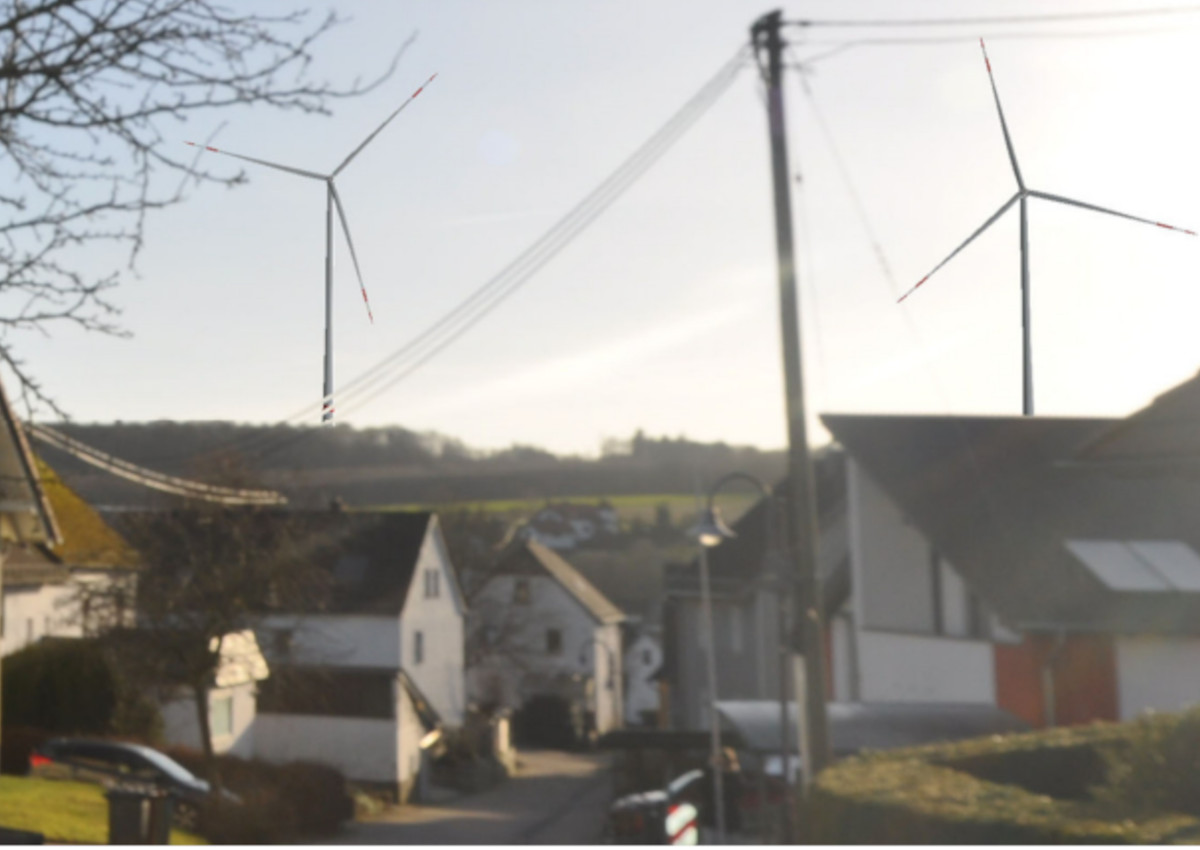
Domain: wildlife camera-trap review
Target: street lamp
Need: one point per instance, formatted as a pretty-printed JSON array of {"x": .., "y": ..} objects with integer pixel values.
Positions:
[{"x": 712, "y": 531}]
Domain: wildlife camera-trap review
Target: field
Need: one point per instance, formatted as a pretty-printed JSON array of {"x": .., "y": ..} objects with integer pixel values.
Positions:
[
  {"x": 636, "y": 507},
  {"x": 64, "y": 812}
]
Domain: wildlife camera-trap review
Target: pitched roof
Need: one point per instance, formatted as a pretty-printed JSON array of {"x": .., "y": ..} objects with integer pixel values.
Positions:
[
  {"x": 87, "y": 540},
  {"x": 1163, "y": 431},
  {"x": 371, "y": 556},
  {"x": 25, "y": 514},
  {"x": 529, "y": 556},
  {"x": 1000, "y": 498}
]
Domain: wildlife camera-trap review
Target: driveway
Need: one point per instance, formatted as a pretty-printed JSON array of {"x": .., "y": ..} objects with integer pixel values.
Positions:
[{"x": 555, "y": 798}]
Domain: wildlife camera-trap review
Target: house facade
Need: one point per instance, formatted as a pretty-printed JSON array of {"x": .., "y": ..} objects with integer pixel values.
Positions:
[
  {"x": 366, "y": 684},
  {"x": 566, "y": 525},
  {"x": 643, "y": 660},
  {"x": 541, "y": 629},
  {"x": 1049, "y": 567},
  {"x": 48, "y": 587}
]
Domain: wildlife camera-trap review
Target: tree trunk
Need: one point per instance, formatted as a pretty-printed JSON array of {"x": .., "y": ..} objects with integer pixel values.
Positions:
[{"x": 211, "y": 769}]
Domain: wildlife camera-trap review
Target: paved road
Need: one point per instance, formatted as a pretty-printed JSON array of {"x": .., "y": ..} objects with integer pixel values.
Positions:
[{"x": 555, "y": 798}]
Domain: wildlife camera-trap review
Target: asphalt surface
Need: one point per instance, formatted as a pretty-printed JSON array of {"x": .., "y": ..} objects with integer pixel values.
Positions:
[{"x": 555, "y": 798}]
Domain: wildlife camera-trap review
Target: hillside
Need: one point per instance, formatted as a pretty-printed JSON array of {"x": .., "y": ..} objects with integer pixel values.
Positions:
[{"x": 388, "y": 466}]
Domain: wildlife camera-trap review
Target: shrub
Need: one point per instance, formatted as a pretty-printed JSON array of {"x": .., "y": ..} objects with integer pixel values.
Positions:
[
  {"x": 1160, "y": 769},
  {"x": 280, "y": 802},
  {"x": 937, "y": 794},
  {"x": 73, "y": 687}
]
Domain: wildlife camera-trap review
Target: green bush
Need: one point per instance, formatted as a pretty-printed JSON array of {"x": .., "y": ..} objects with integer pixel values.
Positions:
[
  {"x": 971, "y": 793},
  {"x": 280, "y": 803},
  {"x": 1160, "y": 769},
  {"x": 69, "y": 687}
]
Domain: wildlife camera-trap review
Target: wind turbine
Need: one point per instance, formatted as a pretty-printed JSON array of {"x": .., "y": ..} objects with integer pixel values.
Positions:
[
  {"x": 332, "y": 202},
  {"x": 1023, "y": 195}
]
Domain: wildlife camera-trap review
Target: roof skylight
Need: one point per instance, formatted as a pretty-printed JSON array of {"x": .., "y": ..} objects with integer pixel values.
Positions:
[{"x": 1141, "y": 566}]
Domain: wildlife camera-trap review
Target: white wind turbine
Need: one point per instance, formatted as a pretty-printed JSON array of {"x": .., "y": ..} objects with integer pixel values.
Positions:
[
  {"x": 1022, "y": 195},
  {"x": 332, "y": 201}
]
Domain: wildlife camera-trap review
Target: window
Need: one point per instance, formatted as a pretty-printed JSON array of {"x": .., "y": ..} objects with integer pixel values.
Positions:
[
  {"x": 553, "y": 641},
  {"x": 220, "y": 716},
  {"x": 418, "y": 647},
  {"x": 432, "y": 584},
  {"x": 521, "y": 591},
  {"x": 647, "y": 657},
  {"x": 1140, "y": 565},
  {"x": 328, "y": 693}
]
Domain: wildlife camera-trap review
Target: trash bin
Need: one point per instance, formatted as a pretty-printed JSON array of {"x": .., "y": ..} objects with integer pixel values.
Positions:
[
  {"x": 139, "y": 815},
  {"x": 128, "y": 815}
]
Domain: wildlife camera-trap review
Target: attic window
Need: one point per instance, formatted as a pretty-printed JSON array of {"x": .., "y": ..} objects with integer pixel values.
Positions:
[
  {"x": 521, "y": 591},
  {"x": 1140, "y": 566}
]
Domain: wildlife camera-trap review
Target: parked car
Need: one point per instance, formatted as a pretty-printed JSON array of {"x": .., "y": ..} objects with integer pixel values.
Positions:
[
  {"x": 112, "y": 763},
  {"x": 662, "y": 816}
]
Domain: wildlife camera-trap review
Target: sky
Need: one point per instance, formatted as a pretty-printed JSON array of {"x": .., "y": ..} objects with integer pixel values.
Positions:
[{"x": 664, "y": 314}]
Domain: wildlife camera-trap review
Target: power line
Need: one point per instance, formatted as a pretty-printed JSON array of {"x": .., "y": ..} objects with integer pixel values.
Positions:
[
  {"x": 403, "y": 362},
  {"x": 1111, "y": 14},
  {"x": 150, "y": 478}
]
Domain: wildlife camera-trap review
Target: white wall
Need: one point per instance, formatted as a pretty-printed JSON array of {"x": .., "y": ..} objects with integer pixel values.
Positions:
[
  {"x": 1162, "y": 673},
  {"x": 182, "y": 727},
  {"x": 36, "y": 612},
  {"x": 441, "y": 621},
  {"x": 363, "y": 749},
  {"x": 916, "y": 668},
  {"x": 521, "y": 631},
  {"x": 892, "y": 570}
]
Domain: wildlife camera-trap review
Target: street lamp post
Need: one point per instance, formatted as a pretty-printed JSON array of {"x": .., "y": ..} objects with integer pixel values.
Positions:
[{"x": 711, "y": 532}]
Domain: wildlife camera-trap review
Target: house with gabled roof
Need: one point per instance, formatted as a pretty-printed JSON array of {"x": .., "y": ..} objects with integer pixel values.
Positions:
[
  {"x": 366, "y": 682},
  {"x": 539, "y": 628},
  {"x": 1048, "y": 566},
  {"x": 43, "y": 583}
]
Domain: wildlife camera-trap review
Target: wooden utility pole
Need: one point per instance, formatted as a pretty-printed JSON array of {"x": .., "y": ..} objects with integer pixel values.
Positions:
[{"x": 800, "y": 525}]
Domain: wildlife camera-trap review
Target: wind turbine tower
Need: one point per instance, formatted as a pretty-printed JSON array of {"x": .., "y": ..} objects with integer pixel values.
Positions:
[
  {"x": 332, "y": 202},
  {"x": 1022, "y": 197}
]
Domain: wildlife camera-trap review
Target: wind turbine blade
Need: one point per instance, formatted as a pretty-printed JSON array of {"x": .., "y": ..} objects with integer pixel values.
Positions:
[
  {"x": 379, "y": 129},
  {"x": 274, "y": 165},
  {"x": 337, "y": 203},
  {"x": 1058, "y": 198},
  {"x": 1012, "y": 154},
  {"x": 970, "y": 239}
]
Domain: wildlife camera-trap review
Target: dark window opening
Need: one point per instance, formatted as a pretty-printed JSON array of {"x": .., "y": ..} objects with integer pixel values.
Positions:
[
  {"x": 418, "y": 647},
  {"x": 521, "y": 592},
  {"x": 328, "y": 693},
  {"x": 553, "y": 641}
]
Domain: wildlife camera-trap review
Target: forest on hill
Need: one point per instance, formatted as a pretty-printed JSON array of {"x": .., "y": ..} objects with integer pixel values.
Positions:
[{"x": 393, "y": 465}]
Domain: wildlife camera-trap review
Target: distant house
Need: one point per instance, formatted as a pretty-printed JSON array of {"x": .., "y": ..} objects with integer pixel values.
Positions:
[
  {"x": 566, "y": 525},
  {"x": 541, "y": 629},
  {"x": 232, "y": 701},
  {"x": 43, "y": 583},
  {"x": 365, "y": 684}
]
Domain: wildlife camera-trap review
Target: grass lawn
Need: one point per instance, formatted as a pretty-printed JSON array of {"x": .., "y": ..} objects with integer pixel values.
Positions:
[
  {"x": 629, "y": 506},
  {"x": 65, "y": 812}
]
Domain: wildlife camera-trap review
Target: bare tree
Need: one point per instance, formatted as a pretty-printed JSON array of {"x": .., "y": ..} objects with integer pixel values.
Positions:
[
  {"x": 86, "y": 87},
  {"x": 209, "y": 572}
]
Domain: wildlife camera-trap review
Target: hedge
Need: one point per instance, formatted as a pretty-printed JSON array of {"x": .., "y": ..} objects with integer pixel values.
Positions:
[{"x": 1040, "y": 788}]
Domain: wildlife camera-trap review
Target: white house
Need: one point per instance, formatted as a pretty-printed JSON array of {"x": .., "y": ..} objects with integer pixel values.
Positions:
[
  {"x": 566, "y": 525},
  {"x": 542, "y": 629},
  {"x": 1047, "y": 566},
  {"x": 232, "y": 701},
  {"x": 43, "y": 583},
  {"x": 365, "y": 684}
]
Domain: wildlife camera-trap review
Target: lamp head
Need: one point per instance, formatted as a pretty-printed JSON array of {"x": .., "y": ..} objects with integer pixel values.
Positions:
[{"x": 712, "y": 529}]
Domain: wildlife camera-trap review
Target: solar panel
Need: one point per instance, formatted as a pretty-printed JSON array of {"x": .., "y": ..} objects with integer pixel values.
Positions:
[
  {"x": 1174, "y": 560},
  {"x": 1115, "y": 564}
]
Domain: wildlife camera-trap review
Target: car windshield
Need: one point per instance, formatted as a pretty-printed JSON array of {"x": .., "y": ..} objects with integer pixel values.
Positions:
[{"x": 166, "y": 764}]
